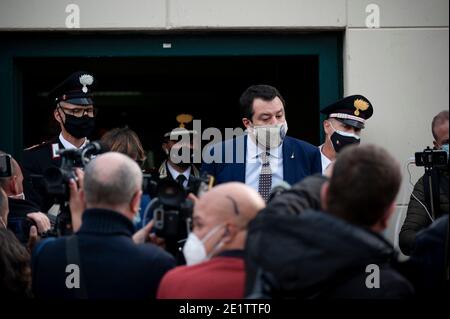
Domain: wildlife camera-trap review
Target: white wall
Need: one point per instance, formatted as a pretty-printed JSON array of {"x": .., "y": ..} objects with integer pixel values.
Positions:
[{"x": 402, "y": 67}]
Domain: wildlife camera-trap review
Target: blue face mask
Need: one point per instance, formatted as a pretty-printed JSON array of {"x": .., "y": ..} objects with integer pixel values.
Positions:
[{"x": 445, "y": 148}]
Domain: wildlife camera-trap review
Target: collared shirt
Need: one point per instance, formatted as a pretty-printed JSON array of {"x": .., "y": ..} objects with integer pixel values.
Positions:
[
  {"x": 325, "y": 160},
  {"x": 67, "y": 145},
  {"x": 175, "y": 174},
  {"x": 253, "y": 164}
]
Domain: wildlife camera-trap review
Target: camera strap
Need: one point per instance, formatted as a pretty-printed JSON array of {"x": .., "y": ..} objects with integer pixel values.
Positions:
[{"x": 73, "y": 257}]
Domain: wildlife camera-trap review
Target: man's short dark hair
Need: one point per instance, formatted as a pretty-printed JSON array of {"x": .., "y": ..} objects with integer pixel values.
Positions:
[
  {"x": 365, "y": 182},
  {"x": 440, "y": 118},
  {"x": 261, "y": 91}
]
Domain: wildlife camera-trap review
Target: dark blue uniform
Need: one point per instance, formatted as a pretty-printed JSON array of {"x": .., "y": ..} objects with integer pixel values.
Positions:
[
  {"x": 36, "y": 160},
  {"x": 75, "y": 90},
  {"x": 111, "y": 265}
]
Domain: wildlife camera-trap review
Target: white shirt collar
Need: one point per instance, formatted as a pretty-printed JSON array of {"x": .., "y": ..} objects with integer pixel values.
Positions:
[
  {"x": 175, "y": 174},
  {"x": 320, "y": 148},
  {"x": 325, "y": 160},
  {"x": 253, "y": 151},
  {"x": 67, "y": 145}
]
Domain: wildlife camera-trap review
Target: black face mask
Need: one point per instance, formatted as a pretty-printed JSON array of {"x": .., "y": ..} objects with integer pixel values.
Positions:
[
  {"x": 79, "y": 127},
  {"x": 340, "y": 141},
  {"x": 185, "y": 164}
]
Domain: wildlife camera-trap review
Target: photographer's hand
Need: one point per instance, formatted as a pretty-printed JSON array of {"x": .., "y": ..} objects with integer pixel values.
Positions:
[
  {"x": 41, "y": 220},
  {"x": 76, "y": 201},
  {"x": 143, "y": 235}
]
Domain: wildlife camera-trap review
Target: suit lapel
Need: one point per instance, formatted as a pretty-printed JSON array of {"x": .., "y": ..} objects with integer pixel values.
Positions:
[{"x": 240, "y": 167}]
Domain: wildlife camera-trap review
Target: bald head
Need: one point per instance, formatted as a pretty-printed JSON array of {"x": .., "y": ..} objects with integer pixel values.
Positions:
[
  {"x": 13, "y": 185},
  {"x": 228, "y": 207},
  {"x": 232, "y": 200},
  {"x": 111, "y": 180}
]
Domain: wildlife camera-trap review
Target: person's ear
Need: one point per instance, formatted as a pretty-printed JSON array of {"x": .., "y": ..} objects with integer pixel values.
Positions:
[
  {"x": 324, "y": 195},
  {"x": 57, "y": 116},
  {"x": 383, "y": 222},
  {"x": 247, "y": 123},
  {"x": 14, "y": 188},
  {"x": 327, "y": 127},
  {"x": 229, "y": 233},
  {"x": 136, "y": 202}
]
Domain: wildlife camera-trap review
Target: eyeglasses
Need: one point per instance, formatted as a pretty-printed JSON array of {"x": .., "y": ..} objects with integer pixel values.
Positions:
[{"x": 79, "y": 112}]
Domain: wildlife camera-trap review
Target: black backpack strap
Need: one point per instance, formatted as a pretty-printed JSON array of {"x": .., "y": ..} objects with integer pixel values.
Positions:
[
  {"x": 264, "y": 286},
  {"x": 73, "y": 257}
]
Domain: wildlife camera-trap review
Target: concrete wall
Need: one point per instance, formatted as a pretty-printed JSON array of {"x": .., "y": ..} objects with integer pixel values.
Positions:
[{"x": 402, "y": 66}]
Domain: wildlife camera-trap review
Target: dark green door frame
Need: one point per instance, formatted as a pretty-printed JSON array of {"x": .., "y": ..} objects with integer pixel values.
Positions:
[{"x": 326, "y": 45}]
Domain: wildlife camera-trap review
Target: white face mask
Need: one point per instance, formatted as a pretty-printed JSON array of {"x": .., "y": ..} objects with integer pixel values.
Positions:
[
  {"x": 194, "y": 249},
  {"x": 269, "y": 136}
]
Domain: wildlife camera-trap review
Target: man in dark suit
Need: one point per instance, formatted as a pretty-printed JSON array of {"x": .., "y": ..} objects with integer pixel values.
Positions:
[
  {"x": 265, "y": 156},
  {"x": 102, "y": 260},
  {"x": 75, "y": 114}
]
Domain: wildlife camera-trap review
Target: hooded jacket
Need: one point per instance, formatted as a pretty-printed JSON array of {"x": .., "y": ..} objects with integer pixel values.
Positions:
[{"x": 317, "y": 255}]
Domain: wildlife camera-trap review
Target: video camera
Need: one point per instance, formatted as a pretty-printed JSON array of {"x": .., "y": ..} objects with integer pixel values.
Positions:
[
  {"x": 54, "y": 183},
  {"x": 435, "y": 163},
  {"x": 431, "y": 158},
  {"x": 171, "y": 207}
]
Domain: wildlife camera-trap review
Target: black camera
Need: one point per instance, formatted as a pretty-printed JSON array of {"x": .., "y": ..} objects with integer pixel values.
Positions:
[
  {"x": 5, "y": 165},
  {"x": 21, "y": 226},
  {"x": 54, "y": 183},
  {"x": 432, "y": 158},
  {"x": 172, "y": 210}
]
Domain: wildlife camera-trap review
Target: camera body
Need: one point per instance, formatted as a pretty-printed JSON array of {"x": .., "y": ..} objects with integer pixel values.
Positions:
[
  {"x": 431, "y": 158},
  {"x": 20, "y": 226},
  {"x": 171, "y": 207},
  {"x": 54, "y": 183}
]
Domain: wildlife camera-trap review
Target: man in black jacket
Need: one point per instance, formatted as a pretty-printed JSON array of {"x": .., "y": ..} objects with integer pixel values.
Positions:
[
  {"x": 337, "y": 252},
  {"x": 417, "y": 217},
  {"x": 101, "y": 260},
  {"x": 20, "y": 208},
  {"x": 74, "y": 110}
]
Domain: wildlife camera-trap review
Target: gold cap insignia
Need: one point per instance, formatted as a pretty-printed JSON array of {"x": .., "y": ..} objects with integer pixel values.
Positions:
[
  {"x": 360, "y": 105},
  {"x": 184, "y": 119}
]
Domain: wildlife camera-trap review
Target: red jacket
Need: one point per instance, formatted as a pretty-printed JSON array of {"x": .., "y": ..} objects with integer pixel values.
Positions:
[{"x": 222, "y": 277}]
